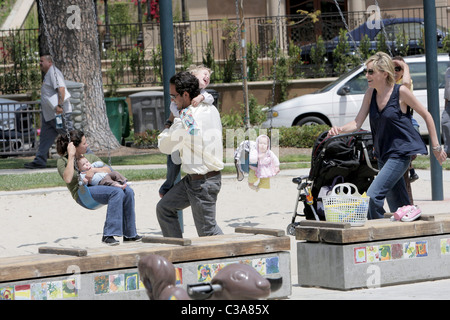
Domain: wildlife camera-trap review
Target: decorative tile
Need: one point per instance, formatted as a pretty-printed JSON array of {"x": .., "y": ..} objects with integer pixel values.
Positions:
[
  {"x": 116, "y": 282},
  {"x": 22, "y": 292},
  {"x": 360, "y": 255},
  {"x": 131, "y": 281},
  {"x": 7, "y": 293},
  {"x": 445, "y": 246},
  {"x": 101, "y": 284},
  {"x": 422, "y": 248}
]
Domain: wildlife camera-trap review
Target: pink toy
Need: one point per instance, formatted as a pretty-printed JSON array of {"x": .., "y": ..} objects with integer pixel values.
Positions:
[{"x": 268, "y": 164}]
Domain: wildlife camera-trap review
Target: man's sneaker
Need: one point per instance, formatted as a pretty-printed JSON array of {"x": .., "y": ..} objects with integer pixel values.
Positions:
[
  {"x": 33, "y": 165},
  {"x": 135, "y": 239},
  {"x": 413, "y": 177},
  {"x": 110, "y": 241}
]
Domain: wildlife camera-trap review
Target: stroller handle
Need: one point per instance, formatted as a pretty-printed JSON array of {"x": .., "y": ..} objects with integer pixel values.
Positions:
[
  {"x": 343, "y": 135},
  {"x": 352, "y": 134}
]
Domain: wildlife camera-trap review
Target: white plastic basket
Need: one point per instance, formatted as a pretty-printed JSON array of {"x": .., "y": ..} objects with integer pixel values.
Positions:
[{"x": 341, "y": 205}]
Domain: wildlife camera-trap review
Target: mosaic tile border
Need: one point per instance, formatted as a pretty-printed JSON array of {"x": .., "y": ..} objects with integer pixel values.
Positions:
[
  {"x": 50, "y": 290},
  {"x": 120, "y": 281},
  {"x": 264, "y": 266},
  {"x": 389, "y": 252},
  {"x": 395, "y": 251}
]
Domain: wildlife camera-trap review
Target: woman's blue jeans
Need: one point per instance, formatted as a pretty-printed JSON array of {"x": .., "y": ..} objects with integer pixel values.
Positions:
[
  {"x": 390, "y": 184},
  {"x": 120, "y": 214}
]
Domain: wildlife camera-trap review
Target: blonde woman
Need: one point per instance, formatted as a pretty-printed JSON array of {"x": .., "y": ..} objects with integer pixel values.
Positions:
[{"x": 395, "y": 139}]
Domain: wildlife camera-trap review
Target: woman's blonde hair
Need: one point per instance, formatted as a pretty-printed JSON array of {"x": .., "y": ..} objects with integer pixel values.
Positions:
[{"x": 382, "y": 62}]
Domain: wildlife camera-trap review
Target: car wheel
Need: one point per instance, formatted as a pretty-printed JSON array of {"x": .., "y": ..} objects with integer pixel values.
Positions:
[{"x": 308, "y": 121}]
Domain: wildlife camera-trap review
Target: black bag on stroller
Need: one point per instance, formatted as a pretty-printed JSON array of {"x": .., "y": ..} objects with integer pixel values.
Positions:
[
  {"x": 349, "y": 156},
  {"x": 335, "y": 159}
]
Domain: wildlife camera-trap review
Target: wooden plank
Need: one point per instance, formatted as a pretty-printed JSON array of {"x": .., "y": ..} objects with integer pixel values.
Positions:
[
  {"x": 269, "y": 232},
  {"x": 376, "y": 230},
  {"x": 166, "y": 240},
  {"x": 310, "y": 234},
  {"x": 66, "y": 251},
  {"x": 325, "y": 224},
  {"x": 127, "y": 256},
  {"x": 424, "y": 216}
]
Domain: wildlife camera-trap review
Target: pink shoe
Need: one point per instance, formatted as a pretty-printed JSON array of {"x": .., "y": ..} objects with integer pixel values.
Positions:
[
  {"x": 398, "y": 215},
  {"x": 413, "y": 214}
]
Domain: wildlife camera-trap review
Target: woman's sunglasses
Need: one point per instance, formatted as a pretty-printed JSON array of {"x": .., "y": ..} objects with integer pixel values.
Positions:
[{"x": 369, "y": 71}]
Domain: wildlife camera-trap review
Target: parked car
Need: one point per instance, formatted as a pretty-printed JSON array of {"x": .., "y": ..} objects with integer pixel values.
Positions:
[
  {"x": 412, "y": 27},
  {"x": 339, "y": 102}
]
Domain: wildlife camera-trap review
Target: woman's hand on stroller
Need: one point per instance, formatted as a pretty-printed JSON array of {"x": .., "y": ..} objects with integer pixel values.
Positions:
[{"x": 334, "y": 131}]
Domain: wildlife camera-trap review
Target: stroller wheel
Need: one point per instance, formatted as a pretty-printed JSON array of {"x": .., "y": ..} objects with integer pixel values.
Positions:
[{"x": 290, "y": 230}]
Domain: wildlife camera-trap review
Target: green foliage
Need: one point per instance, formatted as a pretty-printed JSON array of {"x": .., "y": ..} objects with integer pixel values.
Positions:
[
  {"x": 421, "y": 42},
  {"x": 232, "y": 120},
  {"x": 236, "y": 119},
  {"x": 209, "y": 61},
  {"x": 446, "y": 44},
  {"x": 256, "y": 113},
  {"x": 137, "y": 64},
  {"x": 187, "y": 58},
  {"x": 119, "y": 15},
  {"x": 281, "y": 69},
  {"x": 116, "y": 72},
  {"x": 230, "y": 63},
  {"x": 300, "y": 137},
  {"x": 252, "y": 61},
  {"x": 343, "y": 61},
  {"x": 381, "y": 43},
  {"x": 148, "y": 139},
  {"x": 21, "y": 61},
  {"x": 295, "y": 60},
  {"x": 364, "y": 48},
  {"x": 401, "y": 43},
  {"x": 157, "y": 63},
  {"x": 318, "y": 58}
]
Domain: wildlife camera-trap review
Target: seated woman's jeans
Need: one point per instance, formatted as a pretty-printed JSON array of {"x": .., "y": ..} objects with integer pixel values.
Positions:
[
  {"x": 390, "y": 184},
  {"x": 120, "y": 214}
]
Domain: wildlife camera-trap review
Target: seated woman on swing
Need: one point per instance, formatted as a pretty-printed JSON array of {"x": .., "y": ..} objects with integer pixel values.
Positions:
[{"x": 120, "y": 215}]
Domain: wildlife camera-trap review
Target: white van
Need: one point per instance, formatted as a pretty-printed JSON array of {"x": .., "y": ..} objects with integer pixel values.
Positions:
[{"x": 339, "y": 102}]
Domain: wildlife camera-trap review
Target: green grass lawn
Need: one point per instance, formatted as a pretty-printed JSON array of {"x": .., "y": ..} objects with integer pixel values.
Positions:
[
  {"x": 48, "y": 180},
  {"x": 35, "y": 180}
]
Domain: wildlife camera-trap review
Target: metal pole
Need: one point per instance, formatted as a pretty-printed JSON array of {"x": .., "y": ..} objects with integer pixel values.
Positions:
[
  {"x": 168, "y": 50},
  {"x": 168, "y": 61},
  {"x": 244, "y": 62},
  {"x": 140, "y": 38},
  {"x": 107, "y": 41},
  {"x": 429, "y": 8}
]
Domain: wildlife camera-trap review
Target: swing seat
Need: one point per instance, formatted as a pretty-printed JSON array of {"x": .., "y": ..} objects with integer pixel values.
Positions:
[{"x": 86, "y": 198}]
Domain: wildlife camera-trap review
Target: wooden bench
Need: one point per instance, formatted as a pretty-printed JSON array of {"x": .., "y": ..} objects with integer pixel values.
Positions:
[{"x": 109, "y": 272}]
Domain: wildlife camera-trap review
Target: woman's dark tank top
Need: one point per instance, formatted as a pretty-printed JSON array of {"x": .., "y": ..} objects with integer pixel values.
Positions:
[{"x": 392, "y": 130}]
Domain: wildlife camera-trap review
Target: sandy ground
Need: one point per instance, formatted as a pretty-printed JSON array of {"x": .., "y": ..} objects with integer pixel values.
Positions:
[{"x": 30, "y": 219}]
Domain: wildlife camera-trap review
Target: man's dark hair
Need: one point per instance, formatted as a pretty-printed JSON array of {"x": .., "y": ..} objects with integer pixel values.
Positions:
[{"x": 186, "y": 82}]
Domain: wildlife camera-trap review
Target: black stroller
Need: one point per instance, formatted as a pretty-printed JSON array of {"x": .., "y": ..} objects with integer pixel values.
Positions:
[{"x": 343, "y": 158}]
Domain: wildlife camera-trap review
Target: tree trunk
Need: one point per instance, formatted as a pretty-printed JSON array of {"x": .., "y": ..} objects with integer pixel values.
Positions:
[{"x": 71, "y": 26}]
